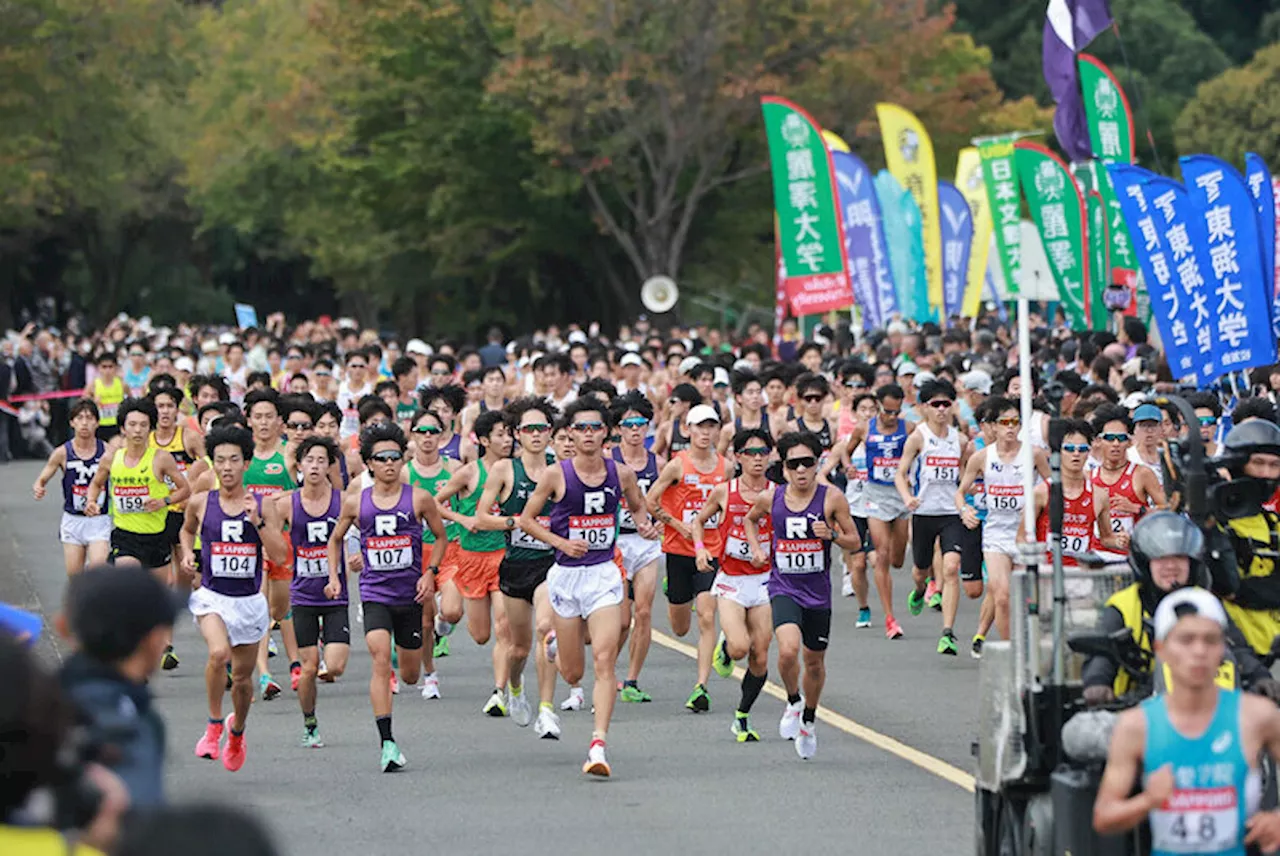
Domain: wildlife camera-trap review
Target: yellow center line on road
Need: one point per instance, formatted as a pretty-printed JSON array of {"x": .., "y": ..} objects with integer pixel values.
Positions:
[{"x": 924, "y": 761}]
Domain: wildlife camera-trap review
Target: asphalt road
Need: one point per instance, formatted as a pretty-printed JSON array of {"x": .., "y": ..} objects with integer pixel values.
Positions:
[{"x": 481, "y": 785}]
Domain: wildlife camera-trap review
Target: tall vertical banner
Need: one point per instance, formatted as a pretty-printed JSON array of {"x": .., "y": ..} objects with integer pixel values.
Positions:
[
  {"x": 1171, "y": 269},
  {"x": 780, "y": 292},
  {"x": 864, "y": 242},
  {"x": 1001, "y": 178},
  {"x": 908, "y": 155},
  {"x": 957, "y": 246},
  {"x": 970, "y": 184},
  {"x": 901, "y": 219},
  {"x": 1262, "y": 189},
  {"x": 1225, "y": 211},
  {"x": 1058, "y": 209},
  {"x": 1097, "y": 257},
  {"x": 804, "y": 195}
]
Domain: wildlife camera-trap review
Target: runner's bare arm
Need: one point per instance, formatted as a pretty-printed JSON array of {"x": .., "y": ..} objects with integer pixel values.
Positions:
[
  {"x": 1262, "y": 713},
  {"x": 193, "y": 441},
  {"x": 759, "y": 509},
  {"x": 1107, "y": 538},
  {"x": 167, "y": 468},
  {"x": 272, "y": 534},
  {"x": 97, "y": 486},
  {"x": 976, "y": 464},
  {"x": 1041, "y": 458},
  {"x": 910, "y": 450},
  {"x": 550, "y": 489},
  {"x": 462, "y": 479},
  {"x": 1040, "y": 498},
  {"x": 715, "y": 501},
  {"x": 496, "y": 488},
  {"x": 1115, "y": 811},
  {"x": 350, "y": 509},
  {"x": 663, "y": 439},
  {"x": 726, "y": 437},
  {"x": 836, "y": 508},
  {"x": 424, "y": 505},
  {"x": 1149, "y": 486},
  {"x": 835, "y": 459},
  {"x": 635, "y": 499},
  {"x": 191, "y": 518},
  {"x": 56, "y": 462},
  {"x": 669, "y": 475}
]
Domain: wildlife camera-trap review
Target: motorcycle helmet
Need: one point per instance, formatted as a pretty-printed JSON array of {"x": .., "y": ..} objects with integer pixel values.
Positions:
[
  {"x": 1161, "y": 534},
  {"x": 1249, "y": 438}
]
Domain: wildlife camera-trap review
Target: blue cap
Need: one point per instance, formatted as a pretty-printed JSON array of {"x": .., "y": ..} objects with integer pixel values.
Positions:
[
  {"x": 22, "y": 626},
  {"x": 1148, "y": 413}
]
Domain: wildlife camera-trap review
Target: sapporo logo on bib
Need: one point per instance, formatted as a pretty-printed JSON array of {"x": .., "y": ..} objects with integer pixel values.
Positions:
[
  {"x": 595, "y": 529},
  {"x": 522, "y": 539},
  {"x": 130, "y": 499},
  {"x": 800, "y": 557},
  {"x": 312, "y": 561},
  {"x": 230, "y": 560}
]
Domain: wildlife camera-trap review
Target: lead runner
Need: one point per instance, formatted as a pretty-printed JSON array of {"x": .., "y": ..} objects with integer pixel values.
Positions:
[{"x": 584, "y": 583}]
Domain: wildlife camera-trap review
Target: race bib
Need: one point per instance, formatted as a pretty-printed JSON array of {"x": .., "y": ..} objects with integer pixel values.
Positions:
[
  {"x": 79, "y": 497},
  {"x": 941, "y": 469},
  {"x": 525, "y": 541},
  {"x": 800, "y": 557},
  {"x": 884, "y": 469},
  {"x": 1004, "y": 497},
  {"x": 596, "y": 529},
  {"x": 129, "y": 499},
  {"x": 312, "y": 561},
  {"x": 264, "y": 490},
  {"x": 1121, "y": 523},
  {"x": 350, "y": 422},
  {"x": 1197, "y": 820},
  {"x": 389, "y": 552},
  {"x": 740, "y": 548},
  {"x": 233, "y": 561},
  {"x": 691, "y": 514},
  {"x": 108, "y": 411},
  {"x": 1075, "y": 545}
]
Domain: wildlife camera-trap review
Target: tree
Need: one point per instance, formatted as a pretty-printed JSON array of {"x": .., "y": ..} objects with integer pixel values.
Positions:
[{"x": 1237, "y": 111}]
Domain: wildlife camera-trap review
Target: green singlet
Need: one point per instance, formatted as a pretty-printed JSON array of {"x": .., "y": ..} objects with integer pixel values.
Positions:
[
  {"x": 521, "y": 546},
  {"x": 432, "y": 486},
  {"x": 480, "y": 541}
]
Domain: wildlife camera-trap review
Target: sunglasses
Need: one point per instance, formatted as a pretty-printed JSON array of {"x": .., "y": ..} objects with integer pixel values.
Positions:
[
  {"x": 814, "y": 398},
  {"x": 588, "y": 426},
  {"x": 1115, "y": 438},
  {"x": 1010, "y": 423},
  {"x": 294, "y": 357},
  {"x": 534, "y": 428},
  {"x": 299, "y": 426},
  {"x": 941, "y": 404},
  {"x": 888, "y": 412},
  {"x": 387, "y": 457},
  {"x": 755, "y": 452},
  {"x": 441, "y": 372},
  {"x": 1075, "y": 447},
  {"x": 428, "y": 429},
  {"x": 357, "y": 365},
  {"x": 634, "y": 422},
  {"x": 1208, "y": 420},
  {"x": 324, "y": 374},
  {"x": 807, "y": 462},
  {"x": 137, "y": 354},
  {"x": 615, "y": 438}
]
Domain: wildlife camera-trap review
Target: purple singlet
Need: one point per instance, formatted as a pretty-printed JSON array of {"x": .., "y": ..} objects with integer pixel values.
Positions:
[
  {"x": 801, "y": 560},
  {"x": 310, "y": 538},
  {"x": 230, "y": 550},
  {"x": 391, "y": 544},
  {"x": 588, "y": 513},
  {"x": 77, "y": 473}
]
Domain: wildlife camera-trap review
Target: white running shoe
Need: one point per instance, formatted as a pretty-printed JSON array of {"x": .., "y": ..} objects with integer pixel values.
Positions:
[
  {"x": 518, "y": 708},
  {"x": 552, "y": 648},
  {"x": 443, "y": 628},
  {"x": 548, "y": 725},
  {"x": 789, "y": 727},
  {"x": 431, "y": 686},
  {"x": 596, "y": 765},
  {"x": 846, "y": 585},
  {"x": 577, "y": 699},
  {"x": 807, "y": 741}
]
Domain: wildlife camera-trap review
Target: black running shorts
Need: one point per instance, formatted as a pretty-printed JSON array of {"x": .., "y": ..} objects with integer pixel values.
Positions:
[
  {"x": 330, "y": 623},
  {"x": 404, "y": 623},
  {"x": 684, "y": 580}
]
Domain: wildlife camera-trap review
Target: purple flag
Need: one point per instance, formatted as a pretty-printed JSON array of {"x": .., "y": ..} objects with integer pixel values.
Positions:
[{"x": 1068, "y": 28}]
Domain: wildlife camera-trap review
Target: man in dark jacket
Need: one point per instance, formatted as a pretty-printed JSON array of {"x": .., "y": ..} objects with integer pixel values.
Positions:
[{"x": 121, "y": 618}]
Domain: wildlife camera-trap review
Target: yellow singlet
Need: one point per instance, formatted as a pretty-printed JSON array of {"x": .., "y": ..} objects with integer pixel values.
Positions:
[
  {"x": 108, "y": 398},
  {"x": 133, "y": 486}
]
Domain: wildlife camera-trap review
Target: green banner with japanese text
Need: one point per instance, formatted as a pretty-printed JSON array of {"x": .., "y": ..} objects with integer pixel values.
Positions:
[
  {"x": 1058, "y": 209},
  {"x": 1001, "y": 178}
]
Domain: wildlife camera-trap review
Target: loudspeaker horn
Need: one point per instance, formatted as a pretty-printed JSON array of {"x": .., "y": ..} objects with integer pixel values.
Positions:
[{"x": 659, "y": 294}]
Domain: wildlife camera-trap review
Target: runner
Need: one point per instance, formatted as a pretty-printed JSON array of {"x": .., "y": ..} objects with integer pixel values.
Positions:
[
  {"x": 393, "y": 585},
  {"x": 1001, "y": 469},
  {"x": 523, "y": 573},
  {"x": 140, "y": 492},
  {"x": 676, "y": 498},
  {"x": 632, "y": 414},
  {"x": 854, "y": 583},
  {"x": 584, "y": 582},
  {"x": 748, "y": 397},
  {"x": 309, "y": 515},
  {"x": 887, "y": 517},
  {"x": 1148, "y": 433},
  {"x": 446, "y": 402},
  {"x": 108, "y": 392},
  {"x": 268, "y": 475},
  {"x": 493, "y": 385},
  {"x": 234, "y": 528},
  {"x": 813, "y": 390},
  {"x": 806, "y": 518},
  {"x": 1132, "y": 488},
  {"x": 475, "y": 582},
  {"x": 428, "y": 470},
  {"x": 84, "y": 539},
  {"x": 942, "y": 451},
  {"x": 669, "y": 439},
  {"x": 741, "y": 587},
  {"x": 1195, "y": 746}
]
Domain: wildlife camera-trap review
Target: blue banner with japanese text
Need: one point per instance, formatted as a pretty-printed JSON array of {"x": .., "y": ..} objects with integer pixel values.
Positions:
[
  {"x": 863, "y": 240},
  {"x": 957, "y": 243},
  {"x": 1261, "y": 188}
]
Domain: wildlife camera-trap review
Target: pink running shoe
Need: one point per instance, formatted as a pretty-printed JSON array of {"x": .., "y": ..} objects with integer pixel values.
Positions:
[
  {"x": 209, "y": 745},
  {"x": 233, "y": 754},
  {"x": 892, "y": 630}
]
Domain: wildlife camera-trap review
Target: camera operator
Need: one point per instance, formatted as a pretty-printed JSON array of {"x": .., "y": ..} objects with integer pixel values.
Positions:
[
  {"x": 1166, "y": 555},
  {"x": 1251, "y": 451},
  {"x": 121, "y": 618},
  {"x": 38, "y": 759}
]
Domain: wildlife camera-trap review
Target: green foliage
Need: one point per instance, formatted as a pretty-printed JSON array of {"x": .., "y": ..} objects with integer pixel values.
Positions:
[{"x": 1236, "y": 112}]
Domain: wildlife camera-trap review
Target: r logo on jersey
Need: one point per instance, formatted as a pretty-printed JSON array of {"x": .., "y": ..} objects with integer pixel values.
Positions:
[
  {"x": 593, "y": 502},
  {"x": 317, "y": 531},
  {"x": 384, "y": 524},
  {"x": 797, "y": 528},
  {"x": 233, "y": 531}
]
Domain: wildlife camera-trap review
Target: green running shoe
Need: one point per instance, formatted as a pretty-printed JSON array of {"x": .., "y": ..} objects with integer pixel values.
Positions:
[
  {"x": 496, "y": 705},
  {"x": 935, "y": 601},
  {"x": 634, "y": 694},
  {"x": 947, "y": 645},
  {"x": 169, "y": 661},
  {"x": 720, "y": 659},
  {"x": 915, "y": 602},
  {"x": 392, "y": 757},
  {"x": 441, "y": 648},
  {"x": 311, "y": 739},
  {"x": 699, "y": 701},
  {"x": 741, "y": 728}
]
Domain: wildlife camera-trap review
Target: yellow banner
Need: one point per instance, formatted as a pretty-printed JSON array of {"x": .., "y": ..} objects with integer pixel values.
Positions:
[
  {"x": 970, "y": 183},
  {"x": 908, "y": 154}
]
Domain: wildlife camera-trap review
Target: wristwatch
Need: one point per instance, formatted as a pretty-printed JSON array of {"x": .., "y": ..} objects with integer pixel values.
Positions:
[
  {"x": 434, "y": 569},
  {"x": 511, "y": 523},
  {"x": 167, "y": 501}
]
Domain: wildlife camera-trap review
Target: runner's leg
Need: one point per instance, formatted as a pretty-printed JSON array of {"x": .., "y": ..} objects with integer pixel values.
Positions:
[
  {"x": 645, "y": 588},
  {"x": 215, "y": 636},
  {"x": 73, "y": 556},
  {"x": 999, "y": 569},
  {"x": 604, "y": 626}
]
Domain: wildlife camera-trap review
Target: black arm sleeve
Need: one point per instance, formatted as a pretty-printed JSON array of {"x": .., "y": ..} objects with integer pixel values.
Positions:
[{"x": 1100, "y": 671}]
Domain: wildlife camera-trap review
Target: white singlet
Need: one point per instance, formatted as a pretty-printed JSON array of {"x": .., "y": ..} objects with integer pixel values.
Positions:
[{"x": 938, "y": 473}]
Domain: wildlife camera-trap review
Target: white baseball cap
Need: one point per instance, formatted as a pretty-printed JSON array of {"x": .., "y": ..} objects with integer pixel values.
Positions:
[
  {"x": 184, "y": 364},
  {"x": 688, "y": 364},
  {"x": 417, "y": 346},
  {"x": 702, "y": 413},
  {"x": 631, "y": 360},
  {"x": 720, "y": 377},
  {"x": 977, "y": 380},
  {"x": 226, "y": 338},
  {"x": 922, "y": 378},
  {"x": 1184, "y": 602}
]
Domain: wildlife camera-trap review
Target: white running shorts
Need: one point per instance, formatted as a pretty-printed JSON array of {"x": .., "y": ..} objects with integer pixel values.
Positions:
[
  {"x": 80, "y": 530},
  {"x": 578, "y": 591},
  {"x": 247, "y": 618},
  {"x": 746, "y": 590},
  {"x": 638, "y": 552}
]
